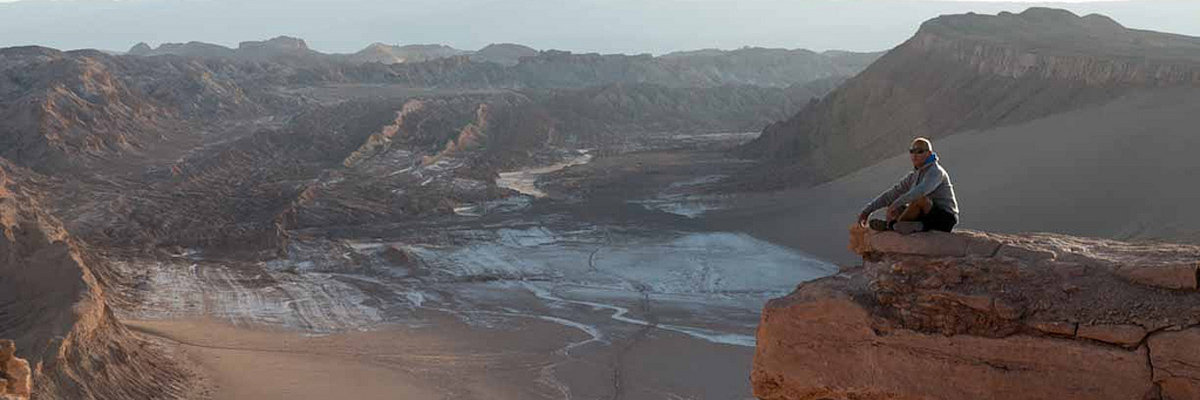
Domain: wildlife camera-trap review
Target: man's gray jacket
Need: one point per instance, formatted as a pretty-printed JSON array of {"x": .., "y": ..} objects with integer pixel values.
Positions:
[{"x": 931, "y": 180}]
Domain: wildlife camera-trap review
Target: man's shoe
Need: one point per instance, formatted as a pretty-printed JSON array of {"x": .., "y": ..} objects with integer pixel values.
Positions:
[
  {"x": 907, "y": 227},
  {"x": 879, "y": 225}
]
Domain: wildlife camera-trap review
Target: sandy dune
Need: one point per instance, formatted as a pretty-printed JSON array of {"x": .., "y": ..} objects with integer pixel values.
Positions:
[{"x": 1124, "y": 170}]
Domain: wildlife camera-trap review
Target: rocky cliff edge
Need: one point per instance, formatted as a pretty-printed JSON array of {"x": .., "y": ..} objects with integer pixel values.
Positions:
[{"x": 975, "y": 315}]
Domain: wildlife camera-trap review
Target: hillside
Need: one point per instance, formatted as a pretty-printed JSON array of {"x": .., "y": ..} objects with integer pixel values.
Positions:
[
  {"x": 972, "y": 72},
  {"x": 55, "y": 307},
  {"x": 65, "y": 109}
]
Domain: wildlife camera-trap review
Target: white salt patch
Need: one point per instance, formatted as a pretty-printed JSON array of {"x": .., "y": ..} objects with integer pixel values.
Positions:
[
  {"x": 308, "y": 301},
  {"x": 524, "y": 181}
]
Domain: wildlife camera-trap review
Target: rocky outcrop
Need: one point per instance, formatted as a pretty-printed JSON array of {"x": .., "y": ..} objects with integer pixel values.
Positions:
[
  {"x": 974, "y": 315},
  {"x": 53, "y": 308},
  {"x": 966, "y": 72},
  {"x": 16, "y": 381}
]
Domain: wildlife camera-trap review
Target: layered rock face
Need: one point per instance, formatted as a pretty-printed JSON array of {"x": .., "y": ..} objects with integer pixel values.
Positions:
[
  {"x": 965, "y": 72},
  {"x": 974, "y": 315},
  {"x": 54, "y": 310}
]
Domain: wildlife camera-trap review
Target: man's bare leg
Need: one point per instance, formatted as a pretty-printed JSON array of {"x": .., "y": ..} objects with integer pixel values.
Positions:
[
  {"x": 909, "y": 219},
  {"x": 916, "y": 209}
]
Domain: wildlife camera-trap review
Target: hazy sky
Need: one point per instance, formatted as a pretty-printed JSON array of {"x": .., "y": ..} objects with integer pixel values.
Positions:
[{"x": 607, "y": 26}]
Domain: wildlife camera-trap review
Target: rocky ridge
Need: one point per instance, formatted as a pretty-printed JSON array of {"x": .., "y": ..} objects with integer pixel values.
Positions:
[
  {"x": 966, "y": 72},
  {"x": 516, "y": 66},
  {"x": 988, "y": 316},
  {"x": 67, "y": 109}
]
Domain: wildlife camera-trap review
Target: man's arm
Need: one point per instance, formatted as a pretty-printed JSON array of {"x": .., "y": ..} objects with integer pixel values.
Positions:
[
  {"x": 889, "y": 196},
  {"x": 935, "y": 175}
]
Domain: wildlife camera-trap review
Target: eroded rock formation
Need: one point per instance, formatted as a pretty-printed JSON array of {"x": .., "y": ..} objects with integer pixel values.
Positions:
[
  {"x": 974, "y": 315},
  {"x": 53, "y": 307},
  {"x": 15, "y": 376}
]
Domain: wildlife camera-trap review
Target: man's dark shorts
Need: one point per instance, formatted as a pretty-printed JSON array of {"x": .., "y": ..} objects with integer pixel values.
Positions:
[{"x": 939, "y": 220}]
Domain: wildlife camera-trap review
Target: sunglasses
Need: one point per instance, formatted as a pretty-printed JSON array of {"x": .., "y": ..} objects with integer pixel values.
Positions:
[{"x": 917, "y": 151}]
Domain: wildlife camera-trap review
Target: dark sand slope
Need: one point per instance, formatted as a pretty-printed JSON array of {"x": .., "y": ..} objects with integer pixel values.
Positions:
[
  {"x": 971, "y": 72},
  {"x": 1124, "y": 170}
]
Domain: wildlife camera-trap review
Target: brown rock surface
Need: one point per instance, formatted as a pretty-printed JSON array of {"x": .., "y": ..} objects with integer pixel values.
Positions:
[
  {"x": 1183, "y": 276},
  {"x": 1176, "y": 360},
  {"x": 15, "y": 382},
  {"x": 1124, "y": 335},
  {"x": 956, "y": 316}
]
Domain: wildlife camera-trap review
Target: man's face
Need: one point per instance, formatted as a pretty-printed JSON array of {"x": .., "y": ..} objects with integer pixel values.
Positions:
[{"x": 918, "y": 156}]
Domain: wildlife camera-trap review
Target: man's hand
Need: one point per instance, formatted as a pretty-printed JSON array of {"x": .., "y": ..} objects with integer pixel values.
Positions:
[{"x": 862, "y": 218}]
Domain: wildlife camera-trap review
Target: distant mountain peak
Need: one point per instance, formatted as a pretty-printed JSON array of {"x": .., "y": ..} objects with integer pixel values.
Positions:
[
  {"x": 504, "y": 53},
  {"x": 277, "y": 43},
  {"x": 140, "y": 49}
]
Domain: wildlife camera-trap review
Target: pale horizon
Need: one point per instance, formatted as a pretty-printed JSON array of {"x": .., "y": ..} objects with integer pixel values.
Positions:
[{"x": 621, "y": 26}]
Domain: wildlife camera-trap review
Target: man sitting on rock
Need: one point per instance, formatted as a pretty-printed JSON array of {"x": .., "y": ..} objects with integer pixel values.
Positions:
[{"x": 922, "y": 201}]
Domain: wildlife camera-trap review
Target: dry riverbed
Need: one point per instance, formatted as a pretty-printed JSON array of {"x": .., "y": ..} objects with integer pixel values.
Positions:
[{"x": 590, "y": 284}]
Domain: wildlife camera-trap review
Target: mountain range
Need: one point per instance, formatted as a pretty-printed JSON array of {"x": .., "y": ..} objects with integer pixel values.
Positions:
[{"x": 514, "y": 65}]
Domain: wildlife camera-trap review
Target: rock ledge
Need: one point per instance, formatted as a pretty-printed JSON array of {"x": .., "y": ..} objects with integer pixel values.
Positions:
[{"x": 975, "y": 315}]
